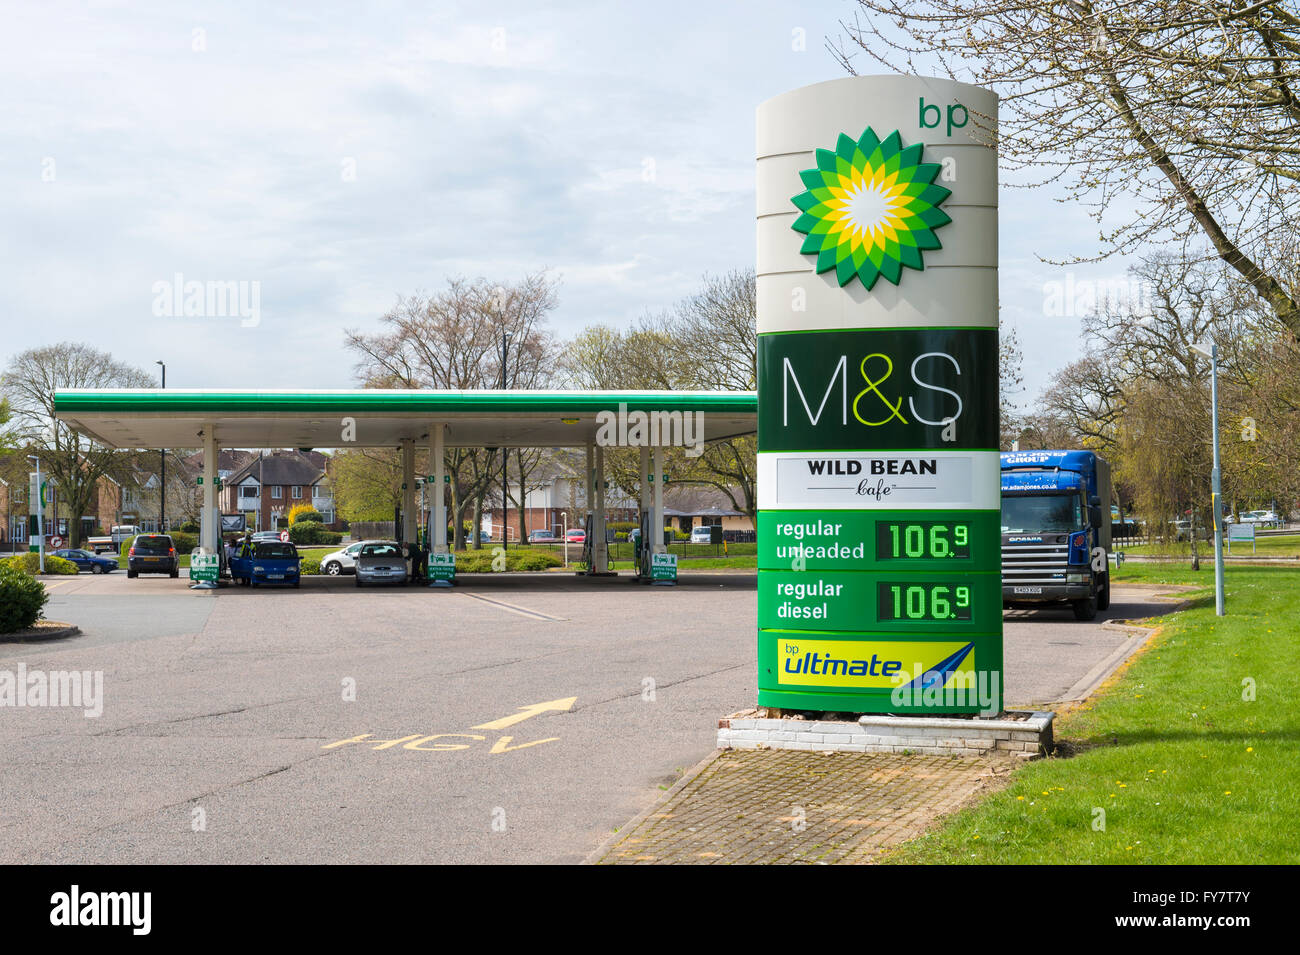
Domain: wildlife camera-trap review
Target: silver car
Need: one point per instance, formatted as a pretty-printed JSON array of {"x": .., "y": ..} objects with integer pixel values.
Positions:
[{"x": 380, "y": 562}]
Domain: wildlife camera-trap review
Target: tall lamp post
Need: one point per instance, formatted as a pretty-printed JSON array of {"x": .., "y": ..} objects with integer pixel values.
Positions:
[
  {"x": 505, "y": 458},
  {"x": 40, "y": 510},
  {"x": 1211, "y": 351},
  {"x": 162, "y": 468}
]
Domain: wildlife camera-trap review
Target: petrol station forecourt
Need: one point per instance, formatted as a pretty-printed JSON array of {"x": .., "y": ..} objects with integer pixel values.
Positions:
[{"x": 404, "y": 419}]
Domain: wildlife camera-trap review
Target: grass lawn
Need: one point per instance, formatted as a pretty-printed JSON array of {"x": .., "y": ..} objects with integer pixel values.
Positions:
[
  {"x": 704, "y": 564},
  {"x": 1179, "y": 765}
]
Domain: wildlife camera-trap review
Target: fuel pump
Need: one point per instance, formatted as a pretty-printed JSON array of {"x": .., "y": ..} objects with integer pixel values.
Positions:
[
  {"x": 643, "y": 549},
  {"x": 586, "y": 545}
]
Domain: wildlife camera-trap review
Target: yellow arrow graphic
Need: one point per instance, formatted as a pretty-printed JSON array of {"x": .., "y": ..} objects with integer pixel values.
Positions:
[{"x": 533, "y": 709}]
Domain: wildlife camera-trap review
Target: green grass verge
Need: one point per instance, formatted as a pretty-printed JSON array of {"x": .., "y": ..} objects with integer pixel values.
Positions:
[
  {"x": 1183, "y": 767},
  {"x": 1285, "y": 545}
]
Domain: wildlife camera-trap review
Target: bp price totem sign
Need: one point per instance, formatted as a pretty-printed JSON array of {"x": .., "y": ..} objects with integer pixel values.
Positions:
[{"x": 879, "y": 583}]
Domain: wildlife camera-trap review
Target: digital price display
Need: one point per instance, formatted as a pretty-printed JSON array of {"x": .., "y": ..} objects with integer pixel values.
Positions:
[
  {"x": 905, "y": 601},
  {"x": 924, "y": 540}
]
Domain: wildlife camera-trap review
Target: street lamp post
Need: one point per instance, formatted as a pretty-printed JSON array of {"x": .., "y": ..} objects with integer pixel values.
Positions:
[
  {"x": 162, "y": 469},
  {"x": 505, "y": 458},
  {"x": 40, "y": 511},
  {"x": 1211, "y": 351}
]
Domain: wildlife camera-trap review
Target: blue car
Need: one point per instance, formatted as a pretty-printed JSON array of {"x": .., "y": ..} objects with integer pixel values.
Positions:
[
  {"x": 85, "y": 560},
  {"x": 266, "y": 562}
]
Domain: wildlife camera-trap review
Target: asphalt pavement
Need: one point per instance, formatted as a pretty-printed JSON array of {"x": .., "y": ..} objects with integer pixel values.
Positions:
[{"x": 516, "y": 718}]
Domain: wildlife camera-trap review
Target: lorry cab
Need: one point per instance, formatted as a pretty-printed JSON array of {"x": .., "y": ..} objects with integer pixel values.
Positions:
[{"x": 1056, "y": 530}]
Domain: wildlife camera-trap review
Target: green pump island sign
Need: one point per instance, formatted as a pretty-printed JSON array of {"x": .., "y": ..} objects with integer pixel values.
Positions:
[{"x": 879, "y": 584}]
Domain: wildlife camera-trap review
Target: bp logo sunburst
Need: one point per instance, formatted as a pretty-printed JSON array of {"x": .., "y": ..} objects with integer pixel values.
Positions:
[{"x": 871, "y": 208}]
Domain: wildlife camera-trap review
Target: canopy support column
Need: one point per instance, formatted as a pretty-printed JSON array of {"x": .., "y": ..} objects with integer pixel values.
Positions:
[
  {"x": 210, "y": 519},
  {"x": 408, "y": 490},
  {"x": 439, "y": 504},
  {"x": 657, "y": 513}
]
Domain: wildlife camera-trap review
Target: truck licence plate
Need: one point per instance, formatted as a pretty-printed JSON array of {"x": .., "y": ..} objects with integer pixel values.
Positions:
[{"x": 1027, "y": 590}]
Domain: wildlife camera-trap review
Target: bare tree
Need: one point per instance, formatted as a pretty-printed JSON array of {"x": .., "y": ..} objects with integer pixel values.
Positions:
[
  {"x": 1010, "y": 379},
  {"x": 452, "y": 339},
  {"x": 72, "y": 460},
  {"x": 1186, "y": 106}
]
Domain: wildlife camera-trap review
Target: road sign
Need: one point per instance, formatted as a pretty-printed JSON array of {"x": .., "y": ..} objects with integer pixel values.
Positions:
[
  {"x": 284, "y": 537},
  {"x": 663, "y": 567},
  {"x": 56, "y": 542},
  {"x": 879, "y": 548},
  {"x": 205, "y": 568},
  {"x": 442, "y": 567}
]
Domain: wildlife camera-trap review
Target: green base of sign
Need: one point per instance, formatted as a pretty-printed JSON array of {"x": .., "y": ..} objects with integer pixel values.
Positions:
[
  {"x": 203, "y": 585},
  {"x": 441, "y": 584}
]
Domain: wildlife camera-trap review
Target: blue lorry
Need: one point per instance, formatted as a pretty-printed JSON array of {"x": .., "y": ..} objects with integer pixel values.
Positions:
[
  {"x": 266, "y": 562},
  {"x": 1056, "y": 530}
]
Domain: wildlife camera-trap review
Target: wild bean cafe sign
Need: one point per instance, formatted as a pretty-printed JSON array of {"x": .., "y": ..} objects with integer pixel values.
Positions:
[{"x": 879, "y": 534}]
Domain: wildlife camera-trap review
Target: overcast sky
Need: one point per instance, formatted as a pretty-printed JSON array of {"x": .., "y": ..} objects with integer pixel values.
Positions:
[{"x": 344, "y": 154}]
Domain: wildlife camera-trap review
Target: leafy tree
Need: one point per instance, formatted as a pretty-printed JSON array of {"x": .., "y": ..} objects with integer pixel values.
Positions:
[
  {"x": 367, "y": 483},
  {"x": 72, "y": 460}
]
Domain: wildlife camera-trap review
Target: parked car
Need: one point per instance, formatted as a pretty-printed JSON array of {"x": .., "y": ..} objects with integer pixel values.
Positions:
[
  {"x": 543, "y": 537},
  {"x": 701, "y": 535},
  {"x": 85, "y": 560},
  {"x": 153, "y": 554},
  {"x": 268, "y": 562},
  {"x": 1183, "y": 531},
  {"x": 342, "y": 561},
  {"x": 266, "y": 536},
  {"x": 1258, "y": 517},
  {"x": 380, "y": 562},
  {"x": 576, "y": 536}
]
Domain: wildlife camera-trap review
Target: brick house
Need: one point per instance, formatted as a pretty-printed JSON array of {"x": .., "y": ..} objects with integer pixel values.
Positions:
[{"x": 271, "y": 484}]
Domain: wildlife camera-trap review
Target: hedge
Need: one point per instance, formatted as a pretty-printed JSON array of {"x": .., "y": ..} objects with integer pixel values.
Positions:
[
  {"x": 22, "y": 597},
  {"x": 480, "y": 561},
  {"x": 309, "y": 565},
  {"x": 313, "y": 532},
  {"x": 30, "y": 563}
]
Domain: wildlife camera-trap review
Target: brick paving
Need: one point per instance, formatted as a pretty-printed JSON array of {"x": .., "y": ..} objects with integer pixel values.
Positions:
[{"x": 781, "y": 806}]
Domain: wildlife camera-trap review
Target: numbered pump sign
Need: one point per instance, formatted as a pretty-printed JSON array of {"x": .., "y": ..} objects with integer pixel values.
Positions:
[{"x": 879, "y": 582}]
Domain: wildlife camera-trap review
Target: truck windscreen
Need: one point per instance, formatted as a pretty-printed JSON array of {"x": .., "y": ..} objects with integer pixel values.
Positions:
[{"x": 1048, "y": 514}]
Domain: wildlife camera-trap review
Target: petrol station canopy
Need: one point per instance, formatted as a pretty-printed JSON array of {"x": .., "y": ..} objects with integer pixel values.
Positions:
[{"x": 175, "y": 418}]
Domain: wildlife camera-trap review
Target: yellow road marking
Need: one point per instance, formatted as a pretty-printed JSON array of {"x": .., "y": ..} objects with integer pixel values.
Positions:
[
  {"x": 551, "y": 706},
  {"x": 500, "y": 745}
]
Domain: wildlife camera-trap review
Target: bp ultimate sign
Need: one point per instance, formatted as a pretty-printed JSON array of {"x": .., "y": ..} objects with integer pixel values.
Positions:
[{"x": 879, "y": 583}]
